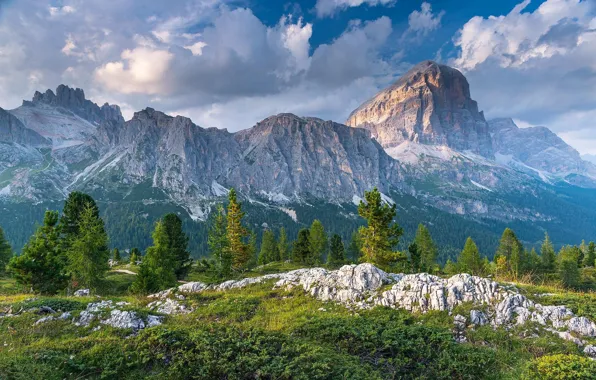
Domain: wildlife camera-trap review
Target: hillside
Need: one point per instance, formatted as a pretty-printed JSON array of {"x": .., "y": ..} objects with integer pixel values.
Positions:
[{"x": 310, "y": 323}]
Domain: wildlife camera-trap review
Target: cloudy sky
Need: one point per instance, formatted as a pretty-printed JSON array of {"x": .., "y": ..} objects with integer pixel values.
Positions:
[{"x": 230, "y": 63}]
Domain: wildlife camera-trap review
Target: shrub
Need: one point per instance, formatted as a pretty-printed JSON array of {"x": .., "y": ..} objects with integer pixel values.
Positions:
[{"x": 562, "y": 367}]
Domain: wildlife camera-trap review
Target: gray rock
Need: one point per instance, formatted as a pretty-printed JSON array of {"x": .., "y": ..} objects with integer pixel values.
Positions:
[
  {"x": 590, "y": 350},
  {"x": 169, "y": 306},
  {"x": 478, "y": 318},
  {"x": 124, "y": 320},
  {"x": 82, "y": 293},
  {"x": 459, "y": 328},
  {"x": 44, "y": 320}
]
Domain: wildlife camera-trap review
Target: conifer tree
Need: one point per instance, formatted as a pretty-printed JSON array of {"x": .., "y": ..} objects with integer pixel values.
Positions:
[
  {"x": 116, "y": 255},
  {"x": 567, "y": 267},
  {"x": 301, "y": 252},
  {"x": 318, "y": 241},
  {"x": 583, "y": 249},
  {"x": 135, "y": 255},
  {"x": 5, "y": 252},
  {"x": 159, "y": 264},
  {"x": 72, "y": 214},
  {"x": 415, "y": 257},
  {"x": 42, "y": 265},
  {"x": 178, "y": 244},
  {"x": 355, "y": 247},
  {"x": 450, "y": 268},
  {"x": 218, "y": 243},
  {"x": 88, "y": 251},
  {"x": 512, "y": 249},
  {"x": 427, "y": 248},
  {"x": 469, "y": 260},
  {"x": 336, "y": 251},
  {"x": 269, "y": 252},
  {"x": 282, "y": 245},
  {"x": 237, "y": 234},
  {"x": 590, "y": 256},
  {"x": 549, "y": 258},
  {"x": 253, "y": 249},
  {"x": 381, "y": 234}
]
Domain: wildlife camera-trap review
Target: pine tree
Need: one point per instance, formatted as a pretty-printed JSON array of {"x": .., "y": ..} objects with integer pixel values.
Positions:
[
  {"x": 567, "y": 267},
  {"x": 159, "y": 263},
  {"x": 5, "y": 252},
  {"x": 415, "y": 257},
  {"x": 41, "y": 266},
  {"x": 218, "y": 243},
  {"x": 318, "y": 241},
  {"x": 355, "y": 247},
  {"x": 72, "y": 214},
  {"x": 450, "y": 268},
  {"x": 381, "y": 235},
  {"x": 427, "y": 248},
  {"x": 301, "y": 252},
  {"x": 590, "y": 255},
  {"x": 469, "y": 260},
  {"x": 549, "y": 259},
  {"x": 253, "y": 248},
  {"x": 145, "y": 281},
  {"x": 237, "y": 234},
  {"x": 116, "y": 255},
  {"x": 269, "y": 252},
  {"x": 336, "y": 251},
  {"x": 512, "y": 249},
  {"x": 282, "y": 245},
  {"x": 583, "y": 250},
  {"x": 178, "y": 244},
  {"x": 135, "y": 256},
  {"x": 88, "y": 251}
]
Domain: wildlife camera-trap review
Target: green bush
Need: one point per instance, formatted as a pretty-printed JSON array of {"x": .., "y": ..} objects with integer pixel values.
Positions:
[{"x": 562, "y": 367}]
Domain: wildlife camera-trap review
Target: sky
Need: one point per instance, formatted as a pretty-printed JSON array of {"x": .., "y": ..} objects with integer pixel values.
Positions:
[{"x": 231, "y": 63}]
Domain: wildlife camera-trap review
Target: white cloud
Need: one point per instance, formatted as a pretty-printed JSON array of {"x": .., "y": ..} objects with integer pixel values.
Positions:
[
  {"x": 537, "y": 66},
  {"x": 424, "y": 21},
  {"x": 326, "y": 8},
  {"x": 141, "y": 70}
]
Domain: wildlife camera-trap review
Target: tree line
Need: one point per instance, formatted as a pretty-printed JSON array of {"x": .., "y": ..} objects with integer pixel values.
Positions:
[{"x": 70, "y": 250}]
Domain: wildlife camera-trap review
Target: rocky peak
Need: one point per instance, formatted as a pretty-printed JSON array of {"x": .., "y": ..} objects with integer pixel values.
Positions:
[
  {"x": 12, "y": 130},
  {"x": 73, "y": 99},
  {"x": 430, "y": 104}
]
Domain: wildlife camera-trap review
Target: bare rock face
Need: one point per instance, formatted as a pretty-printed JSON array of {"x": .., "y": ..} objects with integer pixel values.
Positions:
[
  {"x": 12, "y": 130},
  {"x": 537, "y": 148},
  {"x": 74, "y": 100},
  {"x": 430, "y": 104}
]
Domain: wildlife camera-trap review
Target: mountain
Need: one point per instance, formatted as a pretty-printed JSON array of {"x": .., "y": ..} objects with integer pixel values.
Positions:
[
  {"x": 423, "y": 142},
  {"x": 589, "y": 157},
  {"x": 538, "y": 151},
  {"x": 430, "y": 105}
]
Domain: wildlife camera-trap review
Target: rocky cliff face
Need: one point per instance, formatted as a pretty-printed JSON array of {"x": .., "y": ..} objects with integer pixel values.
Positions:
[
  {"x": 538, "y": 148},
  {"x": 430, "y": 104},
  {"x": 74, "y": 100},
  {"x": 289, "y": 155},
  {"x": 12, "y": 130}
]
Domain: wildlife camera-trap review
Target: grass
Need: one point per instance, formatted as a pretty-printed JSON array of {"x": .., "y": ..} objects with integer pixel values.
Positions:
[{"x": 261, "y": 332}]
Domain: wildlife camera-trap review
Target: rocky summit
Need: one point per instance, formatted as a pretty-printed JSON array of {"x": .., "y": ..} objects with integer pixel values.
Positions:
[{"x": 430, "y": 104}]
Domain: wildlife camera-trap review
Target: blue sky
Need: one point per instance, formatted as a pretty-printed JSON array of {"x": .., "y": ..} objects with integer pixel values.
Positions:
[{"x": 231, "y": 63}]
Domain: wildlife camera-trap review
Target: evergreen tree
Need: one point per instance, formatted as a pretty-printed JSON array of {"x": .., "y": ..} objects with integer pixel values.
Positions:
[
  {"x": 534, "y": 260},
  {"x": 72, "y": 213},
  {"x": 282, "y": 245},
  {"x": 41, "y": 265},
  {"x": 159, "y": 264},
  {"x": 135, "y": 255},
  {"x": 178, "y": 244},
  {"x": 269, "y": 252},
  {"x": 450, "y": 268},
  {"x": 237, "y": 234},
  {"x": 590, "y": 256},
  {"x": 301, "y": 252},
  {"x": 218, "y": 243},
  {"x": 5, "y": 252},
  {"x": 253, "y": 248},
  {"x": 512, "y": 249},
  {"x": 549, "y": 258},
  {"x": 318, "y": 241},
  {"x": 427, "y": 248},
  {"x": 583, "y": 250},
  {"x": 415, "y": 257},
  {"x": 145, "y": 281},
  {"x": 88, "y": 251},
  {"x": 567, "y": 267},
  {"x": 116, "y": 255},
  {"x": 355, "y": 247},
  {"x": 469, "y": 260},
  {"x": 381, "y": 235},
  {"x": 336, "y": 252}
]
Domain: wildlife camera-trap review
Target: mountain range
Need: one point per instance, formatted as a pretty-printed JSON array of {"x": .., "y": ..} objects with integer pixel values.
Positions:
[{"x": 422, "y": 141}]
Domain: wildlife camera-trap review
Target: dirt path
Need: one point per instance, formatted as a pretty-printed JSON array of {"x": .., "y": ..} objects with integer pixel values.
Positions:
[{"x": 123, "y": 271}]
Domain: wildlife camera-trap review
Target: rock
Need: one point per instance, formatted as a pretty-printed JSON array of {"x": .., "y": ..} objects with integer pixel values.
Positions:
[
  {"x": 459, "y": 328},
  {"x": 430, "y": 104},
  {"x": 44, "y": 320},
  {"x": 590, "y": 350},
  {"x": 124, "y": 320},
  {"x": 154, "y": 320},
  {"x": 190, "y": 287},
  {"x": 82, "y": 293},
  {"x": 581, "y": 325},
  {"x": 46, "y": 310},
  {"x": 65, "y": 315},
  {"x": 169, "y": 306},
  {"x": 478, "y": 318}
]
